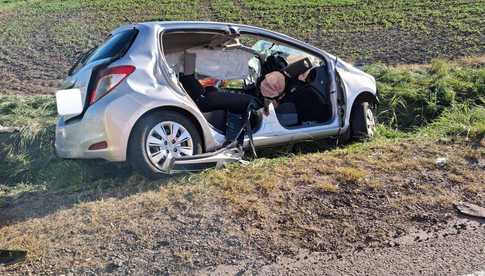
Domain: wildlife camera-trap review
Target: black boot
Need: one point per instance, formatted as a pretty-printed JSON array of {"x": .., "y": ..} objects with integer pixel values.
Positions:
[{"x": 234, "y": 125}]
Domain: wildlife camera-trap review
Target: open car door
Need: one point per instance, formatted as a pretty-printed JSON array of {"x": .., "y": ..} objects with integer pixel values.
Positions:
[{"x": 203, "y": 161}]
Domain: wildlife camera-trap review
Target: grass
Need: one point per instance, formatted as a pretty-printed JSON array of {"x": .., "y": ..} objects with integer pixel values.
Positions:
[
  {"x": 413, "y": 98},
  {"x": 263, "y": 189},
  {"x": 328, "y": 187},
  {"x": 36, "y": 112},
  {"x": 442, "y": 100},
  {"x": 349, "y": 175},
  {"x": 462, "y": 120},
  {"x": 28, "y": 157},
  {"x": 285, "y": 199}
]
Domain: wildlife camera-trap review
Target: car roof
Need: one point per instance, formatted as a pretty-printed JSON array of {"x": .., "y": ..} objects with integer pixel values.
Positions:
[
  {"x": 211, "y": 24},
  {"x": 152, "y": 24}
]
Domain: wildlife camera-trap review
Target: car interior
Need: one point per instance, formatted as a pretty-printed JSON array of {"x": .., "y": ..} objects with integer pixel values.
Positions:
[{"x": 239, "y": 64}]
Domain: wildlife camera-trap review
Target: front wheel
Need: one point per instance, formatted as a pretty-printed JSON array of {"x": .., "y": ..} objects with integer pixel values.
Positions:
[
  {"x": 362, "y": 121},
  {"x": 158, "y": 135}
]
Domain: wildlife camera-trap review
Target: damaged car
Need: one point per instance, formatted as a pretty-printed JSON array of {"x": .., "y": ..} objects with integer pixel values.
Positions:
[{"x": 132, "y": 97}]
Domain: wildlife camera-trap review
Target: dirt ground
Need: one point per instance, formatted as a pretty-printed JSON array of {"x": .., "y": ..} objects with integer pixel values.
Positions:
[
  {"x": 388, "y": 209},
  {"x": 455, "y": 250},
  {"x": 297, "y": 226}
]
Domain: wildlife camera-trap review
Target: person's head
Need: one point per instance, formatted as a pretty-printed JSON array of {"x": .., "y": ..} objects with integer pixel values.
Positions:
[{"x": 273, "y": 84}]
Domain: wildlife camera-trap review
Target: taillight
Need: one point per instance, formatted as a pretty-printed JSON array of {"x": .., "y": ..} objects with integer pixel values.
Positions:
[{"x": 108, "y": 79}]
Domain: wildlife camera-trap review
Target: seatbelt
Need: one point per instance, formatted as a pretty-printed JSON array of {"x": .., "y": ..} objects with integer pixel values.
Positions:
[{"x": 250, "y": 132}]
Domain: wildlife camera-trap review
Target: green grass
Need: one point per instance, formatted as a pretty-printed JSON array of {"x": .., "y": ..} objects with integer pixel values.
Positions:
[
  {"x": 413, "y": 98},
  {"x": 28, "y": 156},
  {"x": 302, "y": 19},
  {"x": 37, "y": 112},
  {"x": 461, "y": 121},
  {"x": 441, "y": 100}
]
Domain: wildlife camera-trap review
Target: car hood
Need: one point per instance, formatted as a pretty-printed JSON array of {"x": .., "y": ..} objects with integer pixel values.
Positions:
[{"x": 342, "y": 65}]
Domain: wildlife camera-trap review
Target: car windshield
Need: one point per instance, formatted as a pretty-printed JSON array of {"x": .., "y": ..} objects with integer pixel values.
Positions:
[
  {"x": 268, "y": 48},
  {"x": 114, "y": 46}
]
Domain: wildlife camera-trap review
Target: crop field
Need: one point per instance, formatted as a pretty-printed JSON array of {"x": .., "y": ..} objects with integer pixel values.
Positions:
[
  {"x": 94, "y": 217},
  {"x": 41, "y": 39}
]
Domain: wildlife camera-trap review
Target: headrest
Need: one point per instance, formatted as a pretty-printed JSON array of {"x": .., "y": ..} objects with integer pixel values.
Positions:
[{"x": 189, "y": 63}]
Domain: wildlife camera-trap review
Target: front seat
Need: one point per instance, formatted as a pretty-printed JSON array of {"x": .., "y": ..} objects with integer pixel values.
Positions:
[{"x": 287, "y": 114}]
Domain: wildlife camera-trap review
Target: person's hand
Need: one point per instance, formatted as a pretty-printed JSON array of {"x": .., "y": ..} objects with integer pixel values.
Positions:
[
  {"x": 273, "y": 84},
  {"x": 304, "y": 76}
]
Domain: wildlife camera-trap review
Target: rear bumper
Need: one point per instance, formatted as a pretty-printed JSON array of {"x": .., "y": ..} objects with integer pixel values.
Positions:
[{"x": 74, "y": 138}]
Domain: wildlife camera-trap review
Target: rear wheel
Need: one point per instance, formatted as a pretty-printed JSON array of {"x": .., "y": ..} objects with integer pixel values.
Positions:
[{"x": 158, "y": 135}]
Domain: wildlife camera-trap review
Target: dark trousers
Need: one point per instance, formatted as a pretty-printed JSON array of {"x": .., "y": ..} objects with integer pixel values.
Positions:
[
  {"x": 211, "y": 98},
  {"x": 236, "y": 105},
  {"x": 234, "y": 102}
]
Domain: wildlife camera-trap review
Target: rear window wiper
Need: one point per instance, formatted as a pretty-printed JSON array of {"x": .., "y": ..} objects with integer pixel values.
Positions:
[{"x": 81, "y": 60}]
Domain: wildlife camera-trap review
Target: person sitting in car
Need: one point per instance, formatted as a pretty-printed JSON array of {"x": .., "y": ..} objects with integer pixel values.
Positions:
[
  {"x": 271, "y": 88},
  {"x": 278, "y": 83}
]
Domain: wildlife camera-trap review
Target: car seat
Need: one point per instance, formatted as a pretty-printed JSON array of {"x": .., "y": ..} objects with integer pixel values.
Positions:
[{"x": 287, "y": 114}]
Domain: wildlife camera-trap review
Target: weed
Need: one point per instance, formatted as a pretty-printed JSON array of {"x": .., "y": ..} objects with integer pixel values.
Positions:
[
  {"x": 327, "y": 187},
  {"x": 462, "y": 120},
  {"x": 411, "y": 99},
  {"x": 350, "y": 175}
]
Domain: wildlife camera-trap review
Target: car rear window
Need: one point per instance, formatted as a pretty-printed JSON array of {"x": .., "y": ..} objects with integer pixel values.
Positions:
[{"x": 115, "y": 46}]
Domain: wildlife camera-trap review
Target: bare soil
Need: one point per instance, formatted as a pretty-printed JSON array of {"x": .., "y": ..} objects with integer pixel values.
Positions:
[
  {"x": 35, "y": 61},
  {"x": 403, "y": 198}
]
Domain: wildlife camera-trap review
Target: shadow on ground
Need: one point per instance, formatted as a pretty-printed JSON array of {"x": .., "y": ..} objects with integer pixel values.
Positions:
[{"x": 47, "y": 183}]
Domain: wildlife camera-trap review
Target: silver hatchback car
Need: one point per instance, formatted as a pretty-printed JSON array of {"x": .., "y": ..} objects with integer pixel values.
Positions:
[{"x": 123, "y": 101}]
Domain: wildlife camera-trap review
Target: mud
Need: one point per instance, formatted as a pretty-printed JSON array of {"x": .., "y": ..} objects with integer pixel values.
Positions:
[{"x": 457, "y": 249}]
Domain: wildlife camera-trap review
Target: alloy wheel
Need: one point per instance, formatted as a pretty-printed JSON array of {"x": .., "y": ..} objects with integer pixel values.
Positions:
[
  {"x": 370, "y": 122},
  {"x": 168, "y": 138}
]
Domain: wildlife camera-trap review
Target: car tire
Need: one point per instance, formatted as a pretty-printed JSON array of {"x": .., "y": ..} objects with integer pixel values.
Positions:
[
  {"x": 142, "y": 152},
  {"x": 362, "y": 121}
]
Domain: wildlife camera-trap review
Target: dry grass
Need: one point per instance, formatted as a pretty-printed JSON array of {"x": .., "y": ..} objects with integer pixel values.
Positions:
[
  {"x": 98, "y": 220},
  {"x": 426, "y": 201},
  {"x": 351, "y": 175},
  {"x": 25, "y": 238},
  {"x": 374, "y": 184},
  {"x": 465, "y": 61},
  {"x": 475, "y": 188},
  {"x": 274, "y": 199},
  {"x": 327, "y": 187},
  {"x": 183, "y": 256}
]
